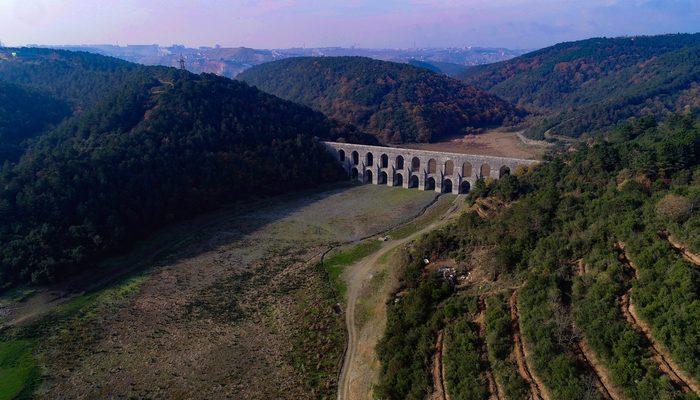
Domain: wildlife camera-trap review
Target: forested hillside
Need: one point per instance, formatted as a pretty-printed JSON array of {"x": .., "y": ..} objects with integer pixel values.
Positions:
[
  {"x": 153, "y": 152},
  {"x": 396, "y": 102},
  {"x": 25, "y": 113},
  {"x": 588, "y": 86},
  {"x": 583, "y": 295},
  {"x": 39, "y": 88}
]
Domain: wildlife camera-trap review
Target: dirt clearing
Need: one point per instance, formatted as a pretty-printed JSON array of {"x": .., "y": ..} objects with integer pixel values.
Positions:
[
  {"x": 495, "y": 142},
  {"x": 236, "y": 308}
]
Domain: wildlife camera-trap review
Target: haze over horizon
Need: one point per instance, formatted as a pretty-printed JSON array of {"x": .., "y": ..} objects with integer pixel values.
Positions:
[{"x": 363, "y": 23}]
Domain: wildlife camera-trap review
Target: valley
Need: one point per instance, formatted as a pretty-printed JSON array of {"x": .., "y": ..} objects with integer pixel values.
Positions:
[{"x": 237, "y": 306}]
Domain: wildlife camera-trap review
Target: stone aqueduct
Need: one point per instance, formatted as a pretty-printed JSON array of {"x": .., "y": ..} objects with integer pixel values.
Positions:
[{"x": 422, "y": 169}]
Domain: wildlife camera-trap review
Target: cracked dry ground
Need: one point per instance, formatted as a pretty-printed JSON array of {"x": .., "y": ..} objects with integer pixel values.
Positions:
[{"x": 240, "y": 313}]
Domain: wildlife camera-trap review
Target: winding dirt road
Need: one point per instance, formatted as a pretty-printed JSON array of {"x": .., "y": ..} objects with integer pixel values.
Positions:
[{"x": 355, "y": 276}]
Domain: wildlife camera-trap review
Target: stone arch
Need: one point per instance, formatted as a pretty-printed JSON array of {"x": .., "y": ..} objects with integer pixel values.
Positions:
[
  {"x": 382, "y": 178},
  {"x": 341, "y": 155},
  {"x": 398, "y": 180},
  {"x": 354, "y": 173},
  {"x": 449, "y": 167},
  {"x": 464, "y": 187},
  {"x": 485, "y": 170},
  {"x": 369, "y": 159},
  {"x": 430, "y": 183},
  {"x": 467, "y": 169},
  {"x": 447, "y": 186},
  {"x": 399, "y": 162},
  {"x": 415, "y": 164},
  {"x": 503, "y": 171},
  {"x": 384, "y": 161},
  {"x": 355, "y": 158},
  {"x": 432, "y": 166},
  {"x": 413, "y": 181},
  {"x": 368, "y": 176}
]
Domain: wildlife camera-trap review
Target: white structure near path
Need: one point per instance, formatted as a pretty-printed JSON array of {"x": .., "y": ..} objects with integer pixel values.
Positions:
[{"x": 423, "y": 169}]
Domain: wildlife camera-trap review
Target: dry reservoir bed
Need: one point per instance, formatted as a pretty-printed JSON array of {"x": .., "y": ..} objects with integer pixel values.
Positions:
[{"x": 234, "y": 310}]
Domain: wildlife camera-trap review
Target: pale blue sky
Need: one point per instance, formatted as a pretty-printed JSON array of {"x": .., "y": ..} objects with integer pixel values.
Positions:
[{"x": 315, "y": 23}]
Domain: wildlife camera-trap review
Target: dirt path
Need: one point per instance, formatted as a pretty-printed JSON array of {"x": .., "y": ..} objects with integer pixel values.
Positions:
[
  {"x": 440, "y": 392},
  {"x": 586, "y": 353},
  {"x": 603, "y": 381},
  {"x": 683, "y": 250},
  {"x": 494, "y": 390},
  {"x": 660, "y": 353},
  {"x": 536, "y": 388},
  {"x": 354, "y": 381}
]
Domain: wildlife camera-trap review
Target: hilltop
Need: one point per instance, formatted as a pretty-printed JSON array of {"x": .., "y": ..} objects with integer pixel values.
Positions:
[
  {"x": 583, "y": 86},
  {"x": 149, "y": 152},
  {"x": 395, "y": 102}
]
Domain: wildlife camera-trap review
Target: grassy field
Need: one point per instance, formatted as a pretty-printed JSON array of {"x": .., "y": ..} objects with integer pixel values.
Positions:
[{"x": 226, "y": 306}]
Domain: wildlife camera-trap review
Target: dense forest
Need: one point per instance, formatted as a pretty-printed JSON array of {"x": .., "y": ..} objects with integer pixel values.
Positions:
[
  {"x": 154, "y": 151},
  {"x": 579, "y": 250},
  {"x": 586, "y": 86},
  {"x": 39, "y": 88},
  {"x": 396, "y": 102},
  {"x": 25, "y": 113}
]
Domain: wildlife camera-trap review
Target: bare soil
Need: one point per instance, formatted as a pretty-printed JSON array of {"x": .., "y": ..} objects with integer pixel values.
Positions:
[
  {"x": 682, "y": 249},
  {"x": 235, "y": 309},
  {"x": 494, "y": 390},
  {"x": 495, "y": 142},
  {"x": 660, "y": 353},
  {"x": 439, "y": 392},
  {"x": 587, "y": 354},
  {"x": 536, "y": 388},
  {"x": 361, "y": 366}
]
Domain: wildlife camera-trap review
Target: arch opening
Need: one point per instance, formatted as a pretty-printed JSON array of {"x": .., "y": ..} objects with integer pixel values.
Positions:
[
  {"x": 432, "y": 166},
  {"x": 467, "y": 169},
  {"x": 447, "y": 186},
  {"x": 382, "y": 178},
  {"x": 399, "y": 162},
  {"x": 485, "y": 170},
  {"x": 503, "y": 171},
  {"x": 464, "y": 187},
  {"x": 369, "y": 159},
  {"x": 354, "y": 174},
  {"x": 430, "y": 184},
  {"x": 449, "y": 167},
  {"x": 341, "y": 155},
  {"x": 368, "y": 176},
  {"x": 355, "y": 158},
  {"x": 415, "y": 164},
  {"x": 398, "y": 180},
  {"x": 384, "y": 161},
  {"x": 413, "y": 181}
]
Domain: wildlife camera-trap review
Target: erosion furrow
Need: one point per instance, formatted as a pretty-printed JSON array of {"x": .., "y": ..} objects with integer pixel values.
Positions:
[
  {"x": 536, "y": 391},
  {"x": 494, "y": 390},
  {"x": 603, "y": 381},
  {"x": 439, "y": 369},
  {"x": 660, "y": 354},
  {"x": 587, "y": 354},
  {"x": 681, "y": 249}
]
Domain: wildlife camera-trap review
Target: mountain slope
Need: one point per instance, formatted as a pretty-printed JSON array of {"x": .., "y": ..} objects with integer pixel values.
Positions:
[
  {"x": 395, "y": 102},
  {"x": 152, "y": 153},
  {"x": 592, "y": 84},
  {"x": 24, "y": 114},
  {"x": 39, "y": 88}
]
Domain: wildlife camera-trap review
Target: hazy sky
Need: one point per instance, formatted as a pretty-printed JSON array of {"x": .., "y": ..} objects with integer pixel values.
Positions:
[{"x": 315, "y": 23}]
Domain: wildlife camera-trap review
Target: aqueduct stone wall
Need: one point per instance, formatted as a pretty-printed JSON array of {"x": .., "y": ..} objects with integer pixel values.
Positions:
[{"x": 423, "y": 169}]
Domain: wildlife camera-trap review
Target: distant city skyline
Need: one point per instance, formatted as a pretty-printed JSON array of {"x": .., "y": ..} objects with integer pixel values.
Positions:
[{"x": 521, "y": 24}]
